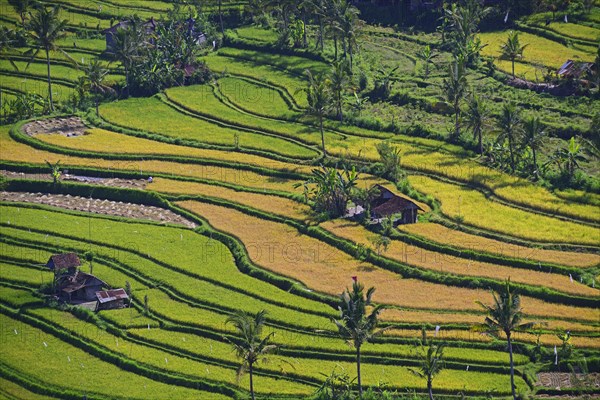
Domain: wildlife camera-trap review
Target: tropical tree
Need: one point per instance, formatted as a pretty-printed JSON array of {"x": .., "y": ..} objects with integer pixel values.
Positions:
[
  {"x": 462, "y": 19},
  {"x": 505, "y": 315},
  {"x": 127, "y": 50},
  {"x": 55, "y": 171},
  {"x": 45, "y": 29},
  {"x": 349, "y": 27},
  {"x": 357, "y": 103},
  {"x": 455, "y": 88},
  {"x": 250, "y": 347},
  {"x": 330, "y": 189},
  {"x": 568, "y": 159},
  {"x": 355, "y": 325},
  {"x": 477, "y": 118},
  {"x": 319, "y": 100},
  {"x": 384, "y": 78},
  {"x": 22, "y": 7},
  {"x": 427, "y": 55},
  {"x": 431, "y": 361},
  {"x": 338, "y": 84},
  {"x": 510, "y": 127},
  {"x": 512, "y": 49},
  {"x": 95, "y": 75},
  {"x": 390, "y": 159},
  {"x": 89, "y": 257},
  {"x": 7, "y": 43},
  {"x": 534, "y": 136}
]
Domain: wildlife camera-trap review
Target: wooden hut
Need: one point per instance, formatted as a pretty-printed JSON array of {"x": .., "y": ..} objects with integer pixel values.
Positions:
[{"x": 111, "y": 299}]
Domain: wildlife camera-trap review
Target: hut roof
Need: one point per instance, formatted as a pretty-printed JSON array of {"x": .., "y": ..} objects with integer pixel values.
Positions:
[
  {"x": 79, "y": 280},
  {"x": 62, "y": 261},
  {"x": 395, "y": 205},
  {"x": 105, "y": 296}
]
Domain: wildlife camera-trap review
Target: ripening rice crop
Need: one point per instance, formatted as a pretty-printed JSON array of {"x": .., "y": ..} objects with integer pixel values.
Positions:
[
  {"x": 477, "y": 210},
  {"x": 452, "y": 237}
]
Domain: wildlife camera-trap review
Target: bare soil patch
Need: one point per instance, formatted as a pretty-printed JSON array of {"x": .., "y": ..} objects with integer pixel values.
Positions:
[
  {"x": 97, "y": 206},
  {"x": 70, "y": 127}
]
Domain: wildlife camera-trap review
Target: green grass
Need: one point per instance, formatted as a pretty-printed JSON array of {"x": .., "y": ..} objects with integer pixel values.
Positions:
[
  {"x": 36, "y": 85},
  {"x": 161, "y": 119},
  {"x": 575, "y": 31}
]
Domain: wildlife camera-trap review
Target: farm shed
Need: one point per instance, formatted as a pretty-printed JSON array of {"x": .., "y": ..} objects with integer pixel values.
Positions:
[
  {"x": 65, "y": 261},
  {"x": 575, "y": 69},
  {"x": 79, "y": 287},
  {"x": 397, "y": 205},
  {"x": 110, "y": 299}
]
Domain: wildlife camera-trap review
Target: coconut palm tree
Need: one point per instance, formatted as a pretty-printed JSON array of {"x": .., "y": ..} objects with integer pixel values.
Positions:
[
  {"x": 250, "y": 347},
  {"x": 455, "y": 88},
  {"x": 512, "y": 49},
  {"x": 505, "y": 315},
  {"x": 431, "y": 362},
  {"x": 319, "y": 100},
  {"x": 355, "y": 325},
  {"x": 7, "y": 43},
  {"x": 338, "y": 83},
  {"x": 509, "y": 122},
  {"x": 126, "y": 50},
  {"x": 534, "y": 138},
  {"x": 95, "y": 75},
  {"x": 477, "y": 119},
  {"x": 45, "y": 29}
]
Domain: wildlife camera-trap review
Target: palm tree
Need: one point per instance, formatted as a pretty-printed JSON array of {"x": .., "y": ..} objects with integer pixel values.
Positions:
[
  {"x": 509, "y": 123},
  {"x": 349, "y": 25},
  {"x": 95, "y": 74},
  {"x": 7, "y": 43},
  {"x": 431, "y": 362},
  {"x": 126, "y": 50},
  {"x": 534, "y": 138},
  {"x": 455, "y": 88},
  {"x": 338, "y": 83},
  {"x": 568, "y": 159},
  {"x": 319, "y": 101},
  {"x": 505, "y": 316},
  {"x": 477, "y": 118},
  {"x": 251, "y": 347},
  {"x": 355, "y": 325},
  {"x": 45, "y": 29},
  {"x": 512, "y": 49},
  {"x": 330, "y": 189},
  {"x": 22, "y": 7}
]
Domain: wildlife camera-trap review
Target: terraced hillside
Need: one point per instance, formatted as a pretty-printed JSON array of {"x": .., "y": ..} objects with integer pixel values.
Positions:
[{"x": 223, "y": 225}]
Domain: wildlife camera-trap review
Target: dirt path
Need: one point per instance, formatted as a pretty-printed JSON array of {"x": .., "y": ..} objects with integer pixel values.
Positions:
[
  {"x": 115, "y": 208},
  {"x": 114, "y": 182}
]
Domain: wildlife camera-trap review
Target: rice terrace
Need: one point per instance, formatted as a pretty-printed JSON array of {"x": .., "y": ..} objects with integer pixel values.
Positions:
[{"x": 316, "y": 199}]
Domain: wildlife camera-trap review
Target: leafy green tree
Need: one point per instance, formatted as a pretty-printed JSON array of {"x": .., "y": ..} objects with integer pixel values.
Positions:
[
  {"x": 510, "y": 128},
  {"x": 512, "y": 49},
  {"x": 45, "y": 29},
  {"x": 127, "y": 50},
  {"x": 330, "y": 190},
  {"x": 349, "y": 26},
  {"x": 568, "y": 159},
  {"x": 7, "y": 43},
  {"x": 455, "y": 89},
  {"x": 355, "y": 325},
  {"x": 318, "y": 97},
  {"x": 89, "y": 257},
  {"x": 462, "y": 19},
  {"x": 384, "y": 79},
  {"x": 95, "y": 75},
  {"x": 22, "y": 7},
  {"x": 427, "y": 55},
  {"x": 534, "y": 137},
  {"x": 357, "y": 103},
  {"x": 477, "y": 118},
  {"x": 431, "y": 362},
  {"x": 505, "y": 315},
  {"x": 250, "y": 347},
  {"x": 55, "y": 171},
  {"x": 389, "y": 157},
  {"x": 338, "y": 84}
]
